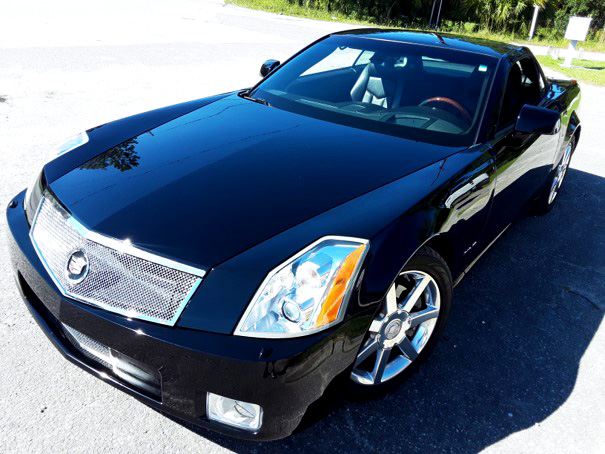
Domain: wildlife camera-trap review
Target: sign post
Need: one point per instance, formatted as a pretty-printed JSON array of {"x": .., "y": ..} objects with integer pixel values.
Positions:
[
  {"x": 577, "y": 29},
  {"x": 534, "y": 19}
]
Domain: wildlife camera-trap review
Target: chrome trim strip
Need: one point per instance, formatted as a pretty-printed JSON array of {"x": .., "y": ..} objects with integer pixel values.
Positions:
[
  {"x": 185, "y": 301},
  {"x": 126, "y": 247},
  {"x": 122, "y": 246},
  {"x": 351, "y": 284}
]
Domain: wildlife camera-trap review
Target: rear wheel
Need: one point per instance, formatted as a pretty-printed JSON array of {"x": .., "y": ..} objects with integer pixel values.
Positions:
[
  {"x": 547, "y": 198},
  {"x": 412, "y": 317}
]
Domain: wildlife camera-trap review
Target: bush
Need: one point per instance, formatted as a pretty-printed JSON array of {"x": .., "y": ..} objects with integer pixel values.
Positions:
[
  {"x": 458, "y": 27},
  {"x": 523, "y": 30},
  {"x": 551, "y": 34},
  {"x": 596, "y": 35},
  {"x": 470, "y": 27},
  {"x": 448, "y": 26}
]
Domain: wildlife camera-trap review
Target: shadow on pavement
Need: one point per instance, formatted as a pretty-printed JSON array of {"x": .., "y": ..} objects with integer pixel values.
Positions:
[{"x": 520, "y": 324}]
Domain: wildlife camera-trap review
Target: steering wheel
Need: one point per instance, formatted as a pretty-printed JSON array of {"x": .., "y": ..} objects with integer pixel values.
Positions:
[{"x": 452, "y": 103}]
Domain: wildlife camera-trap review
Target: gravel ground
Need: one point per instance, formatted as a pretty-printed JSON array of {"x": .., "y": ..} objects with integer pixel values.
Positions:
[{"x": 521, "y": 367}]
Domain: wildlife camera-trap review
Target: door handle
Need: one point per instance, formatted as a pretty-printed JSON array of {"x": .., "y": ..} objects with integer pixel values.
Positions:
[{"x": 480, "y": 181}]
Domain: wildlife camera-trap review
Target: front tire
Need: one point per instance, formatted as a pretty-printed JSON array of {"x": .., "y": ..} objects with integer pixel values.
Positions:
[{"x": 403, "y": 333}]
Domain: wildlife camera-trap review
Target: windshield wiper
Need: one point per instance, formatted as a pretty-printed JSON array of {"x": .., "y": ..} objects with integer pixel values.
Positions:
[{"x": 246, "y": 95}]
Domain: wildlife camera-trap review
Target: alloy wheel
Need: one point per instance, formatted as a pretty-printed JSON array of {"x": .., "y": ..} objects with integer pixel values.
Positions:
[
  {"x": 402, "y": 329},
  {"x": 560, "y": 174}
]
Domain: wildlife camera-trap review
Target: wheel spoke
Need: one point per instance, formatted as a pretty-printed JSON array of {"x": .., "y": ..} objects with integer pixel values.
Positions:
[
  {"x": 408, "y": 349},
  {"x": 400, "y": 289},
  {"x": 370, "y": 347},
  {"x": 392, "y": 300},
  {"x": 421, "y": 337},
  {"x": 375, "y": 326},
  {"x": 422, "y": 316},
  {"x": 567, "y": 156},
  {"x": 413, "y": 297},
  {"x": 382, "y": 358}
]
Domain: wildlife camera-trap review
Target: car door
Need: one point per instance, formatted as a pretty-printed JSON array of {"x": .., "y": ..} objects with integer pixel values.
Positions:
[{"x": 523, "y": 161}]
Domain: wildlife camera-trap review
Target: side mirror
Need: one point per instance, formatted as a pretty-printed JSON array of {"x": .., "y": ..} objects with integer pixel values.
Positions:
[
  {"x": 538, "y": 120},
  {"x": 268, "y": 66}
]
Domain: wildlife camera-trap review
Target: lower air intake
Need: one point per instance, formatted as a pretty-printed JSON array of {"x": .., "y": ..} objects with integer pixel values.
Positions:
[{"x": 133, "y": 373}]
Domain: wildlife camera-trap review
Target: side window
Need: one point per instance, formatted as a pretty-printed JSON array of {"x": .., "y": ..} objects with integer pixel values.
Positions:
[
  {"x": 523, "y": 86},
  {"x": 511, "y": 102},
  {"x": 532, "y": 80},
  {"x": 542, "y": 83}
]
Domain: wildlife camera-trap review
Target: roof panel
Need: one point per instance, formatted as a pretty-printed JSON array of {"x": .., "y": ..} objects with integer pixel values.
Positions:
[{"x": 452, "y": 41}]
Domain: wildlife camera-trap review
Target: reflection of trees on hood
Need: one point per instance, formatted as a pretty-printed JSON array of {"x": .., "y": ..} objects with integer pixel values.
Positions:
[{"x": 123, "y": 157}]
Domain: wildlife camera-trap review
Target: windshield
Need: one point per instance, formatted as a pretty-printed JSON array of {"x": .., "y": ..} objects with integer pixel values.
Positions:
[{"x": 419, "y": 92}]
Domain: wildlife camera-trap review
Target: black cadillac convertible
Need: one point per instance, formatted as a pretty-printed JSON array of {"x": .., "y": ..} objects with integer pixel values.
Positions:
[{"x": 224, "y": 260}]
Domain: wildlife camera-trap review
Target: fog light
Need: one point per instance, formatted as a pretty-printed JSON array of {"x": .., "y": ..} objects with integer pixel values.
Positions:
[{"x": 234, "y": 412}]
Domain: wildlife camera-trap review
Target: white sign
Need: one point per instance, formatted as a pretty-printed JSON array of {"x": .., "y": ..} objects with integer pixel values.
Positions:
[{"x": 577, "y": 28}]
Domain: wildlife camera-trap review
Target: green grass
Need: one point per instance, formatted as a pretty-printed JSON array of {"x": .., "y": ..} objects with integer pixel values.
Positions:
[
  {"x": 591, "y": 46},
  {"x": 589, "y": 71},
  {"x": 293, "y": 9}
]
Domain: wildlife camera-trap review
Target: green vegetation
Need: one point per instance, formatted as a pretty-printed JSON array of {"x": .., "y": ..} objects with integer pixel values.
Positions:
[
  {"x": 589, "y": 71},
  {"x": 294, "y": 9},
  {"x": 502, "y": 20}
]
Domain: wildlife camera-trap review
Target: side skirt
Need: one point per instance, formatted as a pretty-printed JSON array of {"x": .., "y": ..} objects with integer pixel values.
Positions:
[{"x": 468, "y": 268}]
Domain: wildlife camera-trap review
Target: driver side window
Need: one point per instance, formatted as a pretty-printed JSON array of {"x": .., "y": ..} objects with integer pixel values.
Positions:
[{"x": 523, "y": 86}]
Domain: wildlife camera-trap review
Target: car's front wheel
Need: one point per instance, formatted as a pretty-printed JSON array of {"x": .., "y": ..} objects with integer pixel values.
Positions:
[
  {"x": 547, "y": 198},
  {"x": 405, "y": 330}
]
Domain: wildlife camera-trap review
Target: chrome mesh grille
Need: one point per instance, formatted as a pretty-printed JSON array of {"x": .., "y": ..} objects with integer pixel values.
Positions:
[
  {"x": 120, "y": 278},
  {"x": 89, "y": 347}
]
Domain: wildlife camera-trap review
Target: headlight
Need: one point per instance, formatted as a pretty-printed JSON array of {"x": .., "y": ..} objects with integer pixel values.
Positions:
[
  {"x": 36, "y": 187},
  {"x": 308, "y": 292},
  {"x": 33, "y": 195}
]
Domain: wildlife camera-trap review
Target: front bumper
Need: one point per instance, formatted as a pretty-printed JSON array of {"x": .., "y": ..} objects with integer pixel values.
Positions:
[{"x": 282, "y": 376}]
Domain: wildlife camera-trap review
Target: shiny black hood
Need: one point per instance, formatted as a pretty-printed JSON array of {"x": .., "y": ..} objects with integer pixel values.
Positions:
[{"x": 214, "y": 182}]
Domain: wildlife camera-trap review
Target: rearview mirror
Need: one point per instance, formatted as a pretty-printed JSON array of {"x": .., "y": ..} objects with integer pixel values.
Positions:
[
  {"x": 268, "y": 66},
  {"x": 538, "y": 120}
]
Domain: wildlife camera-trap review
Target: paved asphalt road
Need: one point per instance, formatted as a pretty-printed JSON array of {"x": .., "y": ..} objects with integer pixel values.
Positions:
[{"x": 521, "y": 367}]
